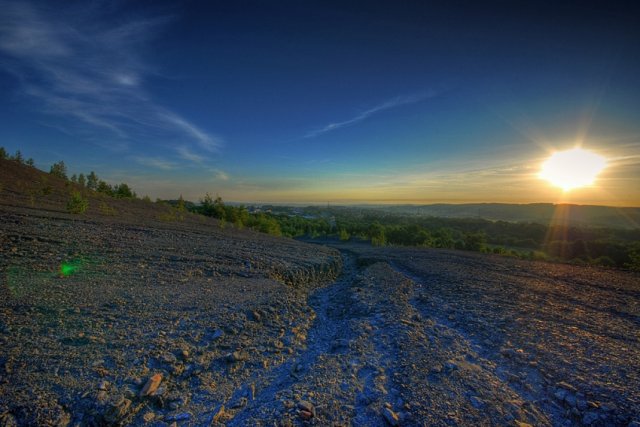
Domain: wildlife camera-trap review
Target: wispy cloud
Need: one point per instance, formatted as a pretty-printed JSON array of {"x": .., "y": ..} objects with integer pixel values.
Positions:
[
  {"x": 89, "y": 70},
  {"x": 189, "y": 155},
  {"x": 221, "y": 175},
  {"x": 206, "y": 141},
  {"x": 155, "y": 162},
  {"x": 387, "y": 105}
]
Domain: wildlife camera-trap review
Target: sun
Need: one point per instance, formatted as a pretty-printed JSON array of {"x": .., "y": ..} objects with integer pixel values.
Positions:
[{"x": 573, "y": 168}]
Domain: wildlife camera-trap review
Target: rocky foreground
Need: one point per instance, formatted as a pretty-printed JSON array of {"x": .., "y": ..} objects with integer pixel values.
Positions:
[{"x": 109, "y": 323}]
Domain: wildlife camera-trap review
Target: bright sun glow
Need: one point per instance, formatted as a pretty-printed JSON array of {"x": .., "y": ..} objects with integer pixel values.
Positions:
[{"x": 572, "y": 168}]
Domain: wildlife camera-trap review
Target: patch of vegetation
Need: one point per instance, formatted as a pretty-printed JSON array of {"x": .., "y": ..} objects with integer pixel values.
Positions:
[
  {"x": 172, "y": 215},
  {"x": 634, "y": 260},
  {"x": 77, "y": 204},
  {"x": 105, "y": 209}
]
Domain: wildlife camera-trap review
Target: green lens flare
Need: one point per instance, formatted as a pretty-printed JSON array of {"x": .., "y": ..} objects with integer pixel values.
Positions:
[{"x": 68, "y": 269}]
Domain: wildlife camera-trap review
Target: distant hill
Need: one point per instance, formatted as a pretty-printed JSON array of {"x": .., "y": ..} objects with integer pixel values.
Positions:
[{"x": 543, "y": 213}]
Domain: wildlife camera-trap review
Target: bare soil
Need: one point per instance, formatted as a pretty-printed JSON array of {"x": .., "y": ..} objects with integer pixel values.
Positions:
[{"x": 132, "y": 319}]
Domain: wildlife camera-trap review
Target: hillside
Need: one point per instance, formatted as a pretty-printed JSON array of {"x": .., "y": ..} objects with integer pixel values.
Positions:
[{"x": 134, "y": 313}]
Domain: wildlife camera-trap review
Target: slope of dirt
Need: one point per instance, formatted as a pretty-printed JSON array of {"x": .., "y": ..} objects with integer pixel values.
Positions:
[
  {"x": 90, "y": 310},
  {"x": 32, "y": 190}
]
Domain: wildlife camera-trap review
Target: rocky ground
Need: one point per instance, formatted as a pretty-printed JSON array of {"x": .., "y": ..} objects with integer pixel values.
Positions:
[{"x": 105, "y": 322}]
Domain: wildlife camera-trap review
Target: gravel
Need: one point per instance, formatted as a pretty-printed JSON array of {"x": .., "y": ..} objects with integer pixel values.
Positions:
[{"x": 118, "y": 323}]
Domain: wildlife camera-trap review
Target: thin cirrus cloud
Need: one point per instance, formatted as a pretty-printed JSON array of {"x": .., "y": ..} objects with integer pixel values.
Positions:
[
  {"x": 387, "y": 105},
  {"x": 221, "y": 175},
  {"x": 91, "y": 74},
  {"x": 186, "y": 154},
  {"x": 156, "y": 162}
]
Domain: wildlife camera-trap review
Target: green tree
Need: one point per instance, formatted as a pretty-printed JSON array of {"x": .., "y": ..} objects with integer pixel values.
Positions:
[
  {"x": 634, "y": 261},
  {"x": 82, "y": 180},
  {"x": 74, "y": 178},
  {"x": 377, "y": 234},
  {"x": 344, "y": 235},
  {"x": 211, "y": 207},
  {"x": 206, "y": 205},
  {"x": 77, "y": 204},
  {"x": 104, "y": 188},
  {"x": 59, "y": 169},
  {"x": 475, "y": 242},
  {"x": 30, "y": 162},
  {"x": 3, "y": 153},
  {"x": 92, "y": 181},
  {"x": 443, "y": 238},
  {"x": 123, "y": 191},
  {"x": 219, "y": 210},
  {"x": 242, "y": 216},
  {"x": 18, "y": 157},
  {"x": 180, "y": 205}
]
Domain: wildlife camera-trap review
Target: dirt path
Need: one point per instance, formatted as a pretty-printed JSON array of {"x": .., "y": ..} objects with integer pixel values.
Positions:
[{"x": 375, "y": 357}]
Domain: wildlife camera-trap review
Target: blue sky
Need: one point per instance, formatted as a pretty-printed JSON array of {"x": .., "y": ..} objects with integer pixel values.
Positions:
[{"x": 325, "y": 101}]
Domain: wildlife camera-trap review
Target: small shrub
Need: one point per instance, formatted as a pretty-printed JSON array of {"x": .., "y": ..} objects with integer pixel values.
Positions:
[
  {"x": 378, "y": 241},
  {"x": 171, "y": 216},
  {"x": 105, "y": 209},
  {"x": 604, "y": 261},
  {"x": 634, "y": 263},
  {"x": 77, "y": 204}
]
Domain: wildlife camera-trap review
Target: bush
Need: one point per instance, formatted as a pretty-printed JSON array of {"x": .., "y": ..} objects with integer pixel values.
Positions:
[
  {"x": 105, "y": 209},
  {"x": 604, "y": 261},
  {"x": 634, "y": 265},
  {"x": 77, "y": 204}
]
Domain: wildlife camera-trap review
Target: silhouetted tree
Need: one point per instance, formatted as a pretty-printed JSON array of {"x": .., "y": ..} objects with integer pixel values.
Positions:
[
  {"x": 81, "y": 180},
  {"x": 59, "y": 169},
  {"x": 92, "y": 181},
  {"x": 18, "y": 157},
  {"x": 3, "y": 153},
  {"x": 123, "y": 191},
  {"x": 104, "y": 188},
  {"x": 30, "y": 162}
]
